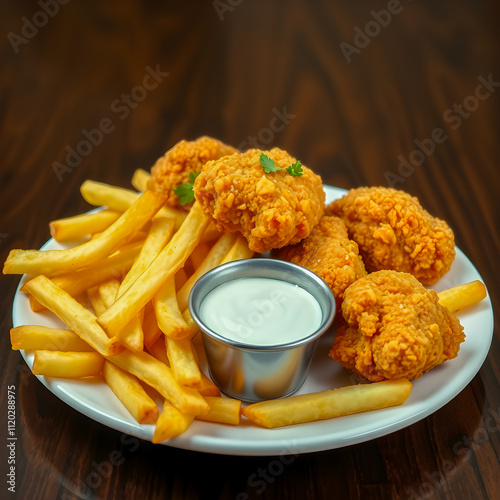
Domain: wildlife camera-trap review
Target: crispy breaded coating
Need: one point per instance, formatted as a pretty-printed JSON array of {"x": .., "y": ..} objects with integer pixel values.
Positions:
[
  {"x": 329, "y": 253},
  {"x": 270, "y": 210},
  {"x": 174, "y": 167},
  {"x": 393, "y": 231},
  {"x": 397, "y": 328}
]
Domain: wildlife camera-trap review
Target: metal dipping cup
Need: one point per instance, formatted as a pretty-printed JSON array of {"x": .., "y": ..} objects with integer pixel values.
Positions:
[{"x": 253, "y": 372}]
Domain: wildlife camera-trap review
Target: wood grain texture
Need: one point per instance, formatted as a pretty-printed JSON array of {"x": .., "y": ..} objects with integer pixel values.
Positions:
[{"x": 229, "y": 74}]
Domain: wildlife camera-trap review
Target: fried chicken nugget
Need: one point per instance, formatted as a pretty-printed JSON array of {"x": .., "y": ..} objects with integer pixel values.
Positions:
[
  {"x": 397, "y": 328},
  {"x": 174, "y": 167},
  {"x": 329, "y": 253},
  {"x": 270, "y": 210},
  {"x": 393, "y": 231}
]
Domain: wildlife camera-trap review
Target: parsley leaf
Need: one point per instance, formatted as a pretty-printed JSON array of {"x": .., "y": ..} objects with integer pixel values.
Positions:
[
  {"x": 185, "y": 191},
  {"x": 295, "y": 169},
  {"x": 192, "y": 176},
  {"x": 267, "y": 164}
]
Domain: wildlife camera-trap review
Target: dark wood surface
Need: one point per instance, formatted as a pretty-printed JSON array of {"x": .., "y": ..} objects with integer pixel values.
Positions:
[{"x": 353, "y": 108}]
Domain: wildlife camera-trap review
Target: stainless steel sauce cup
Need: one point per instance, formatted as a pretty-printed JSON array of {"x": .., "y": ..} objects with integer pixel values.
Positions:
[{"x": 253, "y": 372}]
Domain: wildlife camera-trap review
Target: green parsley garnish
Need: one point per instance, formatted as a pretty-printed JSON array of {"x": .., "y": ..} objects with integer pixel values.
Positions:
[
  {"x": 295, "y": 169},
  {"x": 267, "y": 163},
  {"x": 185, "y": 191}
]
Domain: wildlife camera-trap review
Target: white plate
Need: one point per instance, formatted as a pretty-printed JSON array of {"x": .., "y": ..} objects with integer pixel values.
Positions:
[{"x": 430, "y": 392}]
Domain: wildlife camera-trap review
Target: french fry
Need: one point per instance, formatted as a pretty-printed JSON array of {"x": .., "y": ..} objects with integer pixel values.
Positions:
[
  {"x": 67, "y": 364},
  {"x": 120, "y": 199},
  {"x": 222, "y": 410},
  {"x": 211, "y": 233},
  {"x": 183, "y": 363},
  {"x": 159, "y": 235},
  {"x": 144, "y": 288},
  {"x": 95, "y": 300},
  {"x": 131, "y": 393},
  {"x": 36, "y": 306},
  {"x": 198, "y": 254},
  {"x": 84, "y": 279},
  {"x": 168, "y": 315},
  {"x": 180, "y": 278},
  {"x": 73, "y": 314},
  {"x": 462, "y": 296},
  {"x": 79, "y": 226},
  {"x": 132, "y": 336},
  {"x": 101, "y": 194},
  {"x": 193, "y": 327},
  {"x": 160, "y": 377},
  {"x": 238, "y": 251},
  {"x": 108, "y": 291},
  {"x": 35, "y": 337},
  {"x": 139, "y": 237},
  {"x": 52, "y": 262},
  {"x": 150, "y": 326},
  {"x": 208, "y": 388},
  {"x": 159, "y": 351},
  {"x": 171, "y": 423},
  {"x": 328, "y": 404},
  {"x": 214, "y": 257},
  {"x": 140, "y": 180}
]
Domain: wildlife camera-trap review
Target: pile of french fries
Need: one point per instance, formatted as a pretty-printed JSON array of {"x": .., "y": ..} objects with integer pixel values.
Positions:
[{"x": 123, "y": 294}]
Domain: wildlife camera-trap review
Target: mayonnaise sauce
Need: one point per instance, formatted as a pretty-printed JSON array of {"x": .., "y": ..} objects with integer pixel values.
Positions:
[{"x": 261, "y": 311}]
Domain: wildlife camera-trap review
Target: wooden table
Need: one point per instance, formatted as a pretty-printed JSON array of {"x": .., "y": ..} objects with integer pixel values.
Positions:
[{"x": 390, "y": 93}]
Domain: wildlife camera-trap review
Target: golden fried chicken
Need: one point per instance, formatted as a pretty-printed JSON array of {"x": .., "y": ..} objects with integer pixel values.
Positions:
[
  {"x": 393, "y": 231},
  {"x": 397, "y": 328},
  {"x": 270, "y": 210},
  {"x": 174, "y": 167},
  {"x": 329, "y": 253}
]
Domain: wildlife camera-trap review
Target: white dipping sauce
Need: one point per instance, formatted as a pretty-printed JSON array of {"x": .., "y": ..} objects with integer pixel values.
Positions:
[{"x": 261, "y": 311}]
